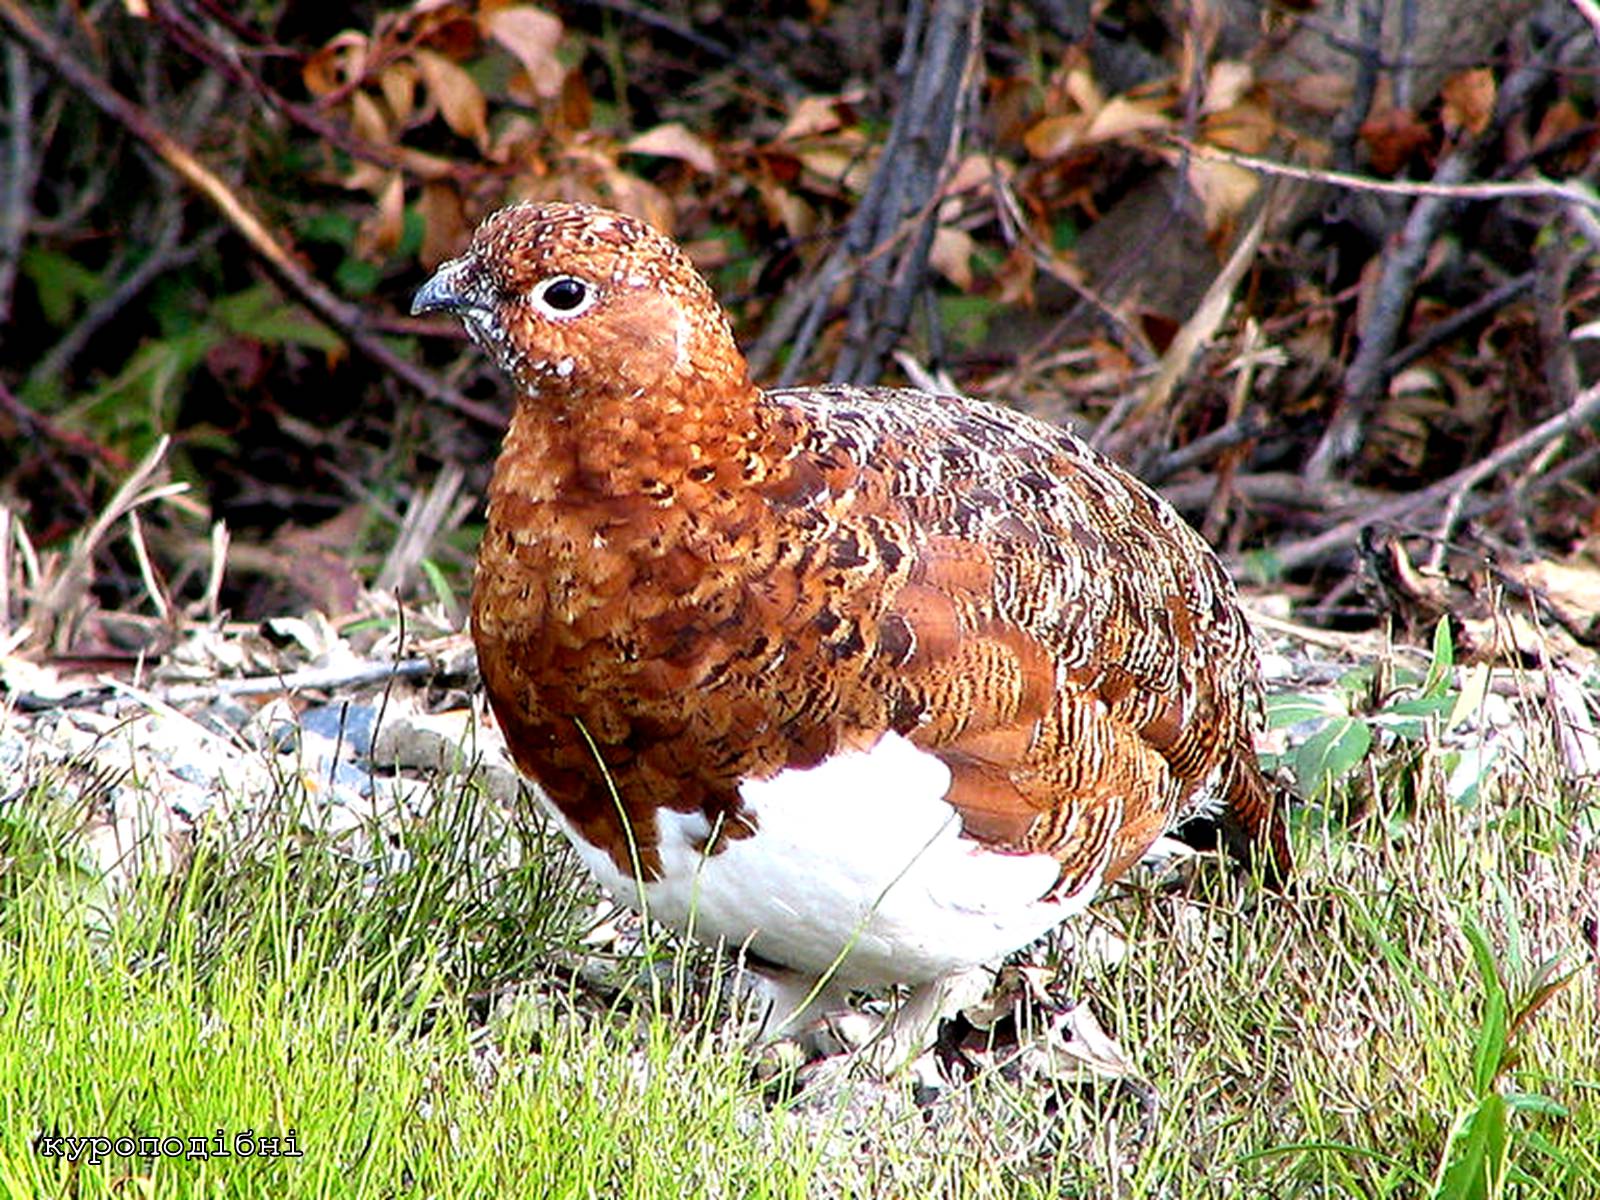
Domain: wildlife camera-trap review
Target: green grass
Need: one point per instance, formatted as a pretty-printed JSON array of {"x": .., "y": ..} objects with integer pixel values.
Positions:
[{"x": 408, "y": 1012}]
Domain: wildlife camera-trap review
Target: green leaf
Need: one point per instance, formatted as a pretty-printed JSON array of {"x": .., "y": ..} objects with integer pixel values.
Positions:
[
  {"x": 440, "y": 583},
  {"x": 357, "y": 278},
  {"x": 1330, "y": 754},
  {"x": 135, "y": 404},
  {"x": 412, "y": 227},
  {"x": 62, "y": 282},
  {"x": 966, "y": 319},
  {"x": 259, "y": 313},
  {"x": 1474, "y": 687},
  {"x": 1491, "y": 1049},
  {"x": 1477, "y": 1154},
  {"x": 335, "y": 227},
  {"x": 1410, "y": 718},
  {"x": 1294, "y": 707},
  {"x": 1262, "y": 566},
  {"x": 1444, "y": 660},
  {"x": 1416, "y": 706},
  {"x": 1532, "y": 1102},
  {"x": 1357, "y": 681},
  {"x": 1490, "y": 1052},
  {"x": 1465, "y": 771}
]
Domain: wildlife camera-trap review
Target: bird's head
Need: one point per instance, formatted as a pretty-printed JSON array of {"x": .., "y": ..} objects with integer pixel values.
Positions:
[{"x": 577, "y": 303}]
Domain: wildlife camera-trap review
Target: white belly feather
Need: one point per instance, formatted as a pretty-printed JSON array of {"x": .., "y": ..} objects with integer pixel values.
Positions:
[{"x": 861, "y": 851}]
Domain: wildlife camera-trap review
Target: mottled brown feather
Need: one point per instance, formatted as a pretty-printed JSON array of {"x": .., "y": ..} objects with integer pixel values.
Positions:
[{"x": 695, "y": 582}]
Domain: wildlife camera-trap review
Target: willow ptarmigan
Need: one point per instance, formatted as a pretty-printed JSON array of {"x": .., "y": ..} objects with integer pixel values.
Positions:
[{"x": 870, "y": 685}]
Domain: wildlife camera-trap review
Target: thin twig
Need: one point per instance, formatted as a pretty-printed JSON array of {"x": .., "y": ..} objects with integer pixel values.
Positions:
[
  {"x": 1401, "y": 268},
  {"x": 167, "y": 255},
  {"x": 1368, "y": 56},
  {"x": 1579, "y": 193},
  {"x": 398, "y": 158},
  {"x": 761, "y": 72},
  {"x": 1405, "y": 75},
  {"x": 1016, "y": 225},
  {"x": 344, "y": 317},
  {"x": 1280, "y": 489},
  {"x": 312, "y": 679},
  {"x": 1341, "y": 537},
  {"x": 424, "y": 519},
  {"x": 1444, "y": 330},
  {"x": 58, "y": 607},
  {"x": 16, "y": 197},
  {"x": 1197, "y": 332},
  {"x": 1590, "y": 11},
  {"x": 886, "y": 242},
  {"x": 1250, "y": 425},
  {"x": 36, "y": 425}
]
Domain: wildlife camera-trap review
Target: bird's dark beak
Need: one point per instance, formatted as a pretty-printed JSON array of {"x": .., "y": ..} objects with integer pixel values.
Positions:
[{"x": 452, "y": 289}]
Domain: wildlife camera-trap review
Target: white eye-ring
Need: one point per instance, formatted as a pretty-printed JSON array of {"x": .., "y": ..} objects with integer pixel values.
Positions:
[{"x": 564, "y": 297}]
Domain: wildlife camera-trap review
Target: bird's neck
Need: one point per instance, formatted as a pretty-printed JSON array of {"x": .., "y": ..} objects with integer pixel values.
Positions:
[{"x": 662, "y": 446}]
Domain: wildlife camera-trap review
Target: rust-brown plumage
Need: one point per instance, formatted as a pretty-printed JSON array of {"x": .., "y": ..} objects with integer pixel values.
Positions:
[{"x": 697, "y": 583}]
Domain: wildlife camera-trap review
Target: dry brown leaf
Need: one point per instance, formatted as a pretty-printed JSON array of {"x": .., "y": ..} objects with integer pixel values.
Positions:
[
  {"x": 445, "y": 26},
  {"x": 841, "y": 163},
  {"x": 783, "y": 205},
  {"x": 1122, "y": 116},
  {"x": 1245, "y": 128},
  {"x": 951, "y": 255},
  {"x": 460, "y": 101},
  {"x": 1468, "y": 100},
  {"x": 518, "y": 139},
  {"x": 976, "y": 172},
  {"x": 674, "y": 140},
  {"x": 1055, "y": 136},
  {"x": 1327, "y": 92},
  {"x": 812, "y": 115},
  {"x": 1227, "y": 84},
  {"x": 1016, "y": 276},
  {"x": 1224, "y": 188},
  {"x": 1574, "y": 585},
  {"x": 444, "y": 224},
  {"x": 1083, "y": 91},
  {"x": 1392, "y": 138},
  {"x": 335, "y": 64},
  {"x": 708, "y": 254},
  {"x": 639, "y": 198},
  {"x": 1561, "y": 120},
  {"x": 399, "y": 84},
  {"x": 380, "y": 233},
  {"x": 533, "y": 35},
  {"x": 364, "y": 176},
  {"x": 367, "y": 119},
  {"x": 577, "y": 104}
]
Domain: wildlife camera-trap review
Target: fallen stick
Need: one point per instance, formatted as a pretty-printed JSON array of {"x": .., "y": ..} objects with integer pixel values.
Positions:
[
  {"x": 310, "y": 679},
  {"x": 346, "y": 318},
  {"x": 1585, "y": 407}
]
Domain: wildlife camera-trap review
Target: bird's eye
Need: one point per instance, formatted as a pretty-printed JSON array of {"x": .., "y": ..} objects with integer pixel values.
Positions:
[{"x": 563, "y": 297}]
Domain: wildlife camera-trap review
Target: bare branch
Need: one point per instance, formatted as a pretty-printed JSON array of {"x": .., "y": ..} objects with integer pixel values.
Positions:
[
  {"x": 397, "y": 158},
  {"x": 167, "y": 255},
  {"x": 1579, "y": 194},
  {"x": 344, "y": 317},
  {"x": 16, "y": 195},
  {"x": 885, "y": 246},
  {"x": 1340, "y": 538}
]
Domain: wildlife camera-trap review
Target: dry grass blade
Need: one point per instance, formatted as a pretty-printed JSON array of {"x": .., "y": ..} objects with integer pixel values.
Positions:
[
  {"x": 1202, "y": 326},
  {"x": 209, "y": 603},
  {"x": 422, "y": 524},
  {"x": 1340, "y": 538},
  {"x": 54, "y": 612}
]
